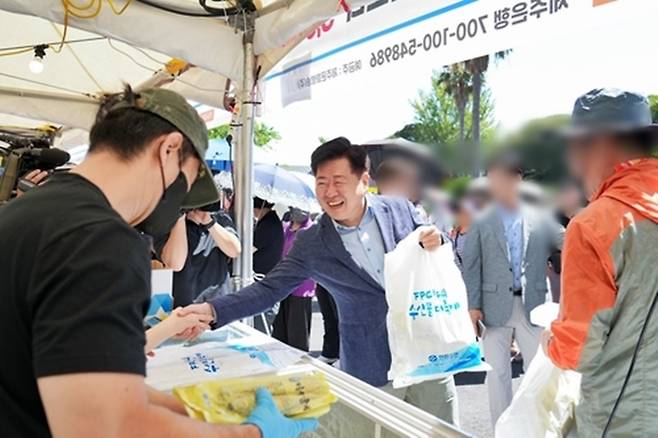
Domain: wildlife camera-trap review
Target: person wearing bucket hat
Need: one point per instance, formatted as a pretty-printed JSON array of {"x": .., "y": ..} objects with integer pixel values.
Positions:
[
  {"x": 608, "y": 322},
  {"x": 76, "y": 282}
]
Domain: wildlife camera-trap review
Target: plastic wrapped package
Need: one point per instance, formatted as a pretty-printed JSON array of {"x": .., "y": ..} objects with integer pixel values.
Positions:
[{"x": 300, "y": 395}]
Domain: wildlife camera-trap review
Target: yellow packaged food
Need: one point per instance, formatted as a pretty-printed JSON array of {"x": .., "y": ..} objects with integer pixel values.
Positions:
[{"x": 299, "y": 395}]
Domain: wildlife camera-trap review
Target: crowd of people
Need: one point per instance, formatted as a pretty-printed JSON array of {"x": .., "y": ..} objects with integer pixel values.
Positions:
[{"x": 76, "y": 255}]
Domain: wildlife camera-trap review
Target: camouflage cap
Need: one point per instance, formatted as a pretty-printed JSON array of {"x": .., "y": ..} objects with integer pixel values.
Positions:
[{"x": 176, "y": 110}]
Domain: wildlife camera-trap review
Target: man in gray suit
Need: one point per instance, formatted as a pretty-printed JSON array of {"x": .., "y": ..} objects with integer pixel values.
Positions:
[{"x": 504, "y": 267}]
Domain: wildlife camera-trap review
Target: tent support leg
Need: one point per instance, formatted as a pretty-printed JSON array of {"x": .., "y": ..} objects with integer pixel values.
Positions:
[{"x": 244, "y": 167}]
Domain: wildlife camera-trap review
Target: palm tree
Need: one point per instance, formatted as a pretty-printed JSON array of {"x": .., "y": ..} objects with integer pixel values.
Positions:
[
  {"x": 459, "y": 85},
  {"x": 477, "y": 67}
]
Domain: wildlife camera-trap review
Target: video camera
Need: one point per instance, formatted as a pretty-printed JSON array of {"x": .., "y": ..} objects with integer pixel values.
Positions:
[{"x": 23, "y": 150}]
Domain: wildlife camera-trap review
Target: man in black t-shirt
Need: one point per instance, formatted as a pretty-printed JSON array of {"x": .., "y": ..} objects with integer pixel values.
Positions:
[
  {"x": 205, "y": 245},
  {"x": 75, "y": 281}
]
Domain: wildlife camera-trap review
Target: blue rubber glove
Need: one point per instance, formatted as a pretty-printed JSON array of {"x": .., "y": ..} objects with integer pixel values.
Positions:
[{"x": 272, "y": 423}]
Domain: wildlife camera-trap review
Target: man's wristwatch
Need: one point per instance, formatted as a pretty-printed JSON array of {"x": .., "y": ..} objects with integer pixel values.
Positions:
[{"x": 209, "y": 225}]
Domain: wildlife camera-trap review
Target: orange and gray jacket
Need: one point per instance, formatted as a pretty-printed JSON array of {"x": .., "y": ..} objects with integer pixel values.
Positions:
[{"x": 609, "y": 279}]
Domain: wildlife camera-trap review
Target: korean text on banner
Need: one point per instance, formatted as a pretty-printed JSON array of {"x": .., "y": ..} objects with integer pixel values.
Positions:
[{"x": 387, "y": 37}]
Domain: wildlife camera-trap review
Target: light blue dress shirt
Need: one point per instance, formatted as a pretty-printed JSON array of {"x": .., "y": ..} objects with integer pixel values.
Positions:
[
  {"x": 365, "y": 244},
  {"x": 513, "y": 225}
]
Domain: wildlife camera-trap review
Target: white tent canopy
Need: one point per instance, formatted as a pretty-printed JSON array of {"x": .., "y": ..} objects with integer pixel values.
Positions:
[
  {"x": 206, "y": 42},
  {"x": 109, "y": 50},
  {"x": 126, "y": 41},
  {"x": 88, "y": 67}
]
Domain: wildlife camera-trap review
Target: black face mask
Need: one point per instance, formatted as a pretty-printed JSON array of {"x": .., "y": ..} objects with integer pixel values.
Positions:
[{"x": 160, "y": 222}]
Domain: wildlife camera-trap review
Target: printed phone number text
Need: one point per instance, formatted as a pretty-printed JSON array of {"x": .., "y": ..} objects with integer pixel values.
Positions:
[{"x": 429, "y": 41}]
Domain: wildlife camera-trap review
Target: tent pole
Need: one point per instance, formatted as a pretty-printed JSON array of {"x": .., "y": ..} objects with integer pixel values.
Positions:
[{"x": 244, "y": 167}]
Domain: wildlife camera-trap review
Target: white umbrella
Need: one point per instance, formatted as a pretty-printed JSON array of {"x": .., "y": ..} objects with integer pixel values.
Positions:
[{"x": 278, "y": 186}]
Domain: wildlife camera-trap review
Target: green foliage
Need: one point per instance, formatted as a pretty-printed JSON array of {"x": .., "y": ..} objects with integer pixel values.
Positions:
[
  {"x": 263, "y": 134},
  {"x": 457, "y": 186},
  {"x": 220, "y": 131},
  {"x": 459, "y": 85},
  {"x": 542, "y": 150},
  {"x": 480, "y": 65},
  {"x": 653, "y": 102},
  {"x": 478, "y": 68},
  {"x": 437, "y": 120}
]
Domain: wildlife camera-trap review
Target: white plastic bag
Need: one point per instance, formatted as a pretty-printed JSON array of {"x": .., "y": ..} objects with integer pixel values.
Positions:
[
  {"x": 544, "y": 404},
  {"x": 429, "y": 329}
]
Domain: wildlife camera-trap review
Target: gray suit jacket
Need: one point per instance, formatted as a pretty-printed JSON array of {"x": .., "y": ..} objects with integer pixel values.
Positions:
[{"x": 487, "y": 270}]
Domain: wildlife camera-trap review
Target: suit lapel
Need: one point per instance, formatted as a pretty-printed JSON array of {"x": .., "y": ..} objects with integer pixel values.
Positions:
[
  {"x": 336, "y": 248},
  {"x": 499, "y": 232},
  {"x": 527, "y": 223},
  {"x": 383, "y": 218}
]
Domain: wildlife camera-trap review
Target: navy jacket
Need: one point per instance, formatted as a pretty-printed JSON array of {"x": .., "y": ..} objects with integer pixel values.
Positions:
[{"x": 319, "y": 253}]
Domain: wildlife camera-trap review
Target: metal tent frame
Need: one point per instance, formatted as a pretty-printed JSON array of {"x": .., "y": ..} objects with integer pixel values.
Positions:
[{"x": 356, "y": 394}]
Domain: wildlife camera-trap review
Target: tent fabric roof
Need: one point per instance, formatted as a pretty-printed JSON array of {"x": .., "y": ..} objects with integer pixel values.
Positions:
[{"x": 134, "y": 47}]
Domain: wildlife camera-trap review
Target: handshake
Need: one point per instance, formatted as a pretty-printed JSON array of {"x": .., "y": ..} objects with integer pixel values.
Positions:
[
  {"x": 204, "y": 313},
  {"x": 186, "y": 323}
]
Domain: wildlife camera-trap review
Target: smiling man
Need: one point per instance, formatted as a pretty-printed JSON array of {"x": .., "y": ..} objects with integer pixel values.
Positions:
[{"x": 344, "y": 252}]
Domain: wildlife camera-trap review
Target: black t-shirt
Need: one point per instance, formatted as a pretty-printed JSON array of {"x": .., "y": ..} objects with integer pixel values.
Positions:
[
  {"x": 206, "y": 265},
  {"x": 75, "y": 287},
  {"x": 268, "y": 240}
]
